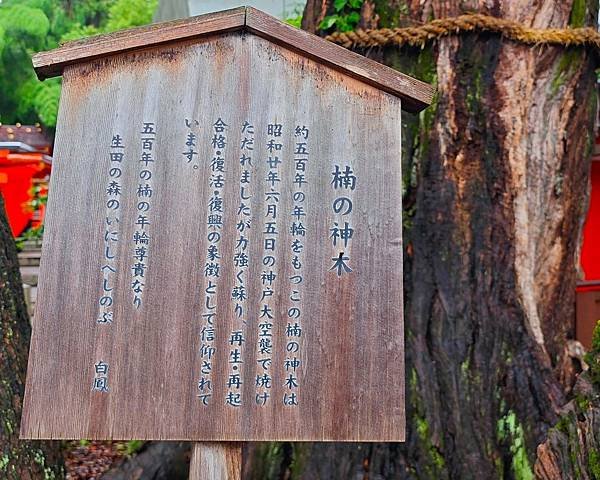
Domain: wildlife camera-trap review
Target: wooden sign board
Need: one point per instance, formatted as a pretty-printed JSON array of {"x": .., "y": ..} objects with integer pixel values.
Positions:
[{"x": 222, "y": 257}]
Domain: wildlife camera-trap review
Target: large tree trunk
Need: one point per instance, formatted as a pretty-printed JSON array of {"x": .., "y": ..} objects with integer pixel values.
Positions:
[
  {"x": 496, "y": 180},
  {"x": 19, "y": 460},
  {"x": 157, "y": 461}
]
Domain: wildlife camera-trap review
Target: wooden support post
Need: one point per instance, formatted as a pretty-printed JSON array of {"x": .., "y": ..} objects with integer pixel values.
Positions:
[{"x": 216, "y": 461}]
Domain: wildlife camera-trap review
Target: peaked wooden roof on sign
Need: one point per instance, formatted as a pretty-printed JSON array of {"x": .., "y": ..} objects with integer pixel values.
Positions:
[{"x": 415, "y": 95}]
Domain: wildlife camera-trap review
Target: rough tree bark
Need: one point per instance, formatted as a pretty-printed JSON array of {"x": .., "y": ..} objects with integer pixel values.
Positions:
[
  {"x": 19, "y": 460},
  {"x": 157, "y": 461},
  {"x": 496, "y": 180}
]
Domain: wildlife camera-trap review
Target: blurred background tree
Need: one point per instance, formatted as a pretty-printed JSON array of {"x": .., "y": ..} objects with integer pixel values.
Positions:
[{"x": 29, "y": 26}]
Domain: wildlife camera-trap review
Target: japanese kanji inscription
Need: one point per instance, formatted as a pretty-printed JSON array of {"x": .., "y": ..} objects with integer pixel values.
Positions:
[{"x": 223, "y": 256}]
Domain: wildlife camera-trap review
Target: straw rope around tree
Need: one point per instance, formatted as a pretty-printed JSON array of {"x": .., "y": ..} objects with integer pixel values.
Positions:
[{"x": 420, "y": 35}]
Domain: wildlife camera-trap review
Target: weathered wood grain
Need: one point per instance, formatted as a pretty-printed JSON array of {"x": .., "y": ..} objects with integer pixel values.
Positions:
[
  {"x": 351, "y": 383},
  {"x": 216, "y": 461},
  {"x": 416, "y": 95}
]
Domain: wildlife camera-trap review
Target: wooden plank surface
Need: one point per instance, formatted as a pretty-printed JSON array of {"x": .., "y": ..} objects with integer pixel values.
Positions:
[
  {"x": 216, "y": 461},
  {"x": 349, "y": 384},
  {"x": 416, "y": 95}
]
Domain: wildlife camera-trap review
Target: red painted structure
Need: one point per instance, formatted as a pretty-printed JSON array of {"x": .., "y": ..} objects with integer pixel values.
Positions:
[
  {"x": 18, "y": 175},
  {"x": 590, "y": 251},
  {"x": 588, "y": 289},
  {"x": 24, "y": 167}
]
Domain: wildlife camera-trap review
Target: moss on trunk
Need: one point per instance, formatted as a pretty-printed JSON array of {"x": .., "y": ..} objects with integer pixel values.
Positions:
[{"x": 19, "y": 460}]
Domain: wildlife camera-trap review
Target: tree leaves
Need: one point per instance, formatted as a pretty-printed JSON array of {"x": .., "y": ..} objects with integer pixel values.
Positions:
[
  {"x": 2, "y": 39},
  {"x": 79, "y": 31},
  {"x": 28, "y": 26},
  {"x": 24, "y": 20},
  {"x": 130, "y": 13},
  {"x": 339, "y": 5},
  {"x": 46, "y": 100},
  {"x": 346, "y": 17},
  {"x": 328, "y": 22}
]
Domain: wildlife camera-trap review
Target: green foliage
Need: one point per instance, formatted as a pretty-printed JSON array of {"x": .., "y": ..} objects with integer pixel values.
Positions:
[
  {"x": 45, "y": 100},
  {"x": 294, "y": 21},
  {"x": 29, "y": 26},
  {"x": 79, "y": 31},
  {"x": 39, "y": 198},
  {"x": 295, "y": 18},
  {"x": 2, "y": 39},
  {"x": 592, "y": 358},
  {"x": 30, "y": 235},
  {"x": 594, "y": 464},
  {"x": 345, "y": 17},
  {"x": 131, "y": 447},
  {"x": 25, "y": 21},
  {"x": 130, "y": 13}
]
